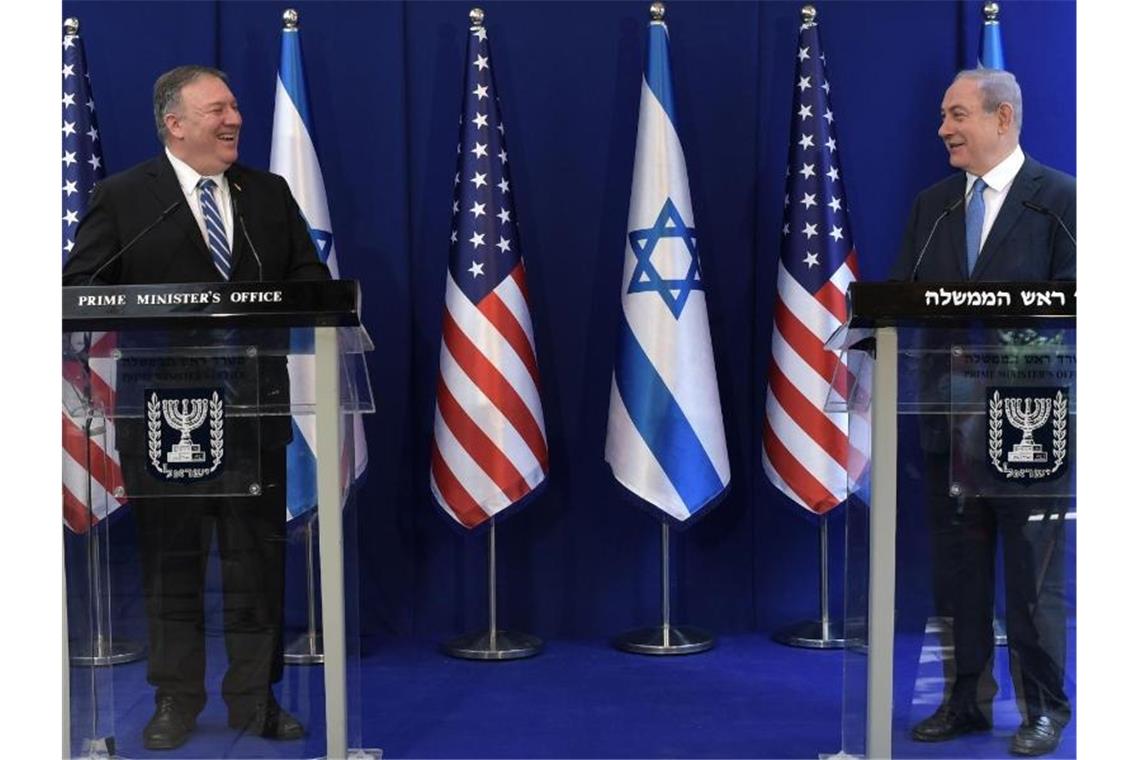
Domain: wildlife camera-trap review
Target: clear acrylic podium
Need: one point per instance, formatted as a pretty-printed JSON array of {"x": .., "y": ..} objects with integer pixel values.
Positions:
[
  {"x": 962, "y": 405},
  {"x": 172, "y": 396}
]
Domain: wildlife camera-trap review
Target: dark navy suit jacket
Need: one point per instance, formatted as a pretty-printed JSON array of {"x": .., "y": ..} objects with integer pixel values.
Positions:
[
  {"x": 1023, "y": 245},
  {"x": 174, "y": 250}
]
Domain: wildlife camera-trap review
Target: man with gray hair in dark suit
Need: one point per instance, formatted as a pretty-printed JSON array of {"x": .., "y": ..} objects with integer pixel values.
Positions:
[
  {"x": 1003, "y": 217},
  {"x": 193, "y": 214}
]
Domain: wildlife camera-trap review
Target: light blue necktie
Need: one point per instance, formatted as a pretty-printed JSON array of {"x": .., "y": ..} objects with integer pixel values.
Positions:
[
  {"x": 215, "y": 230},
  {"x": 975, "y": 216}
]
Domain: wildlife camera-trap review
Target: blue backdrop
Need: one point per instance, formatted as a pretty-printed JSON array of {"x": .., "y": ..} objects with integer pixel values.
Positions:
[{"x": 384, "y": 81}]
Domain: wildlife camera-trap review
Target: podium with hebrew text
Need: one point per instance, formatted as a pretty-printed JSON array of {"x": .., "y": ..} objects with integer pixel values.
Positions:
[
  {"x": 178, "y": 400},
  {"x": 961, "y": 402}
]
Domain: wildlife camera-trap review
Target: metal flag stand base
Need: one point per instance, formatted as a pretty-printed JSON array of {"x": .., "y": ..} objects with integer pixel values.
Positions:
[
  {"x": 493, "y": 644},
  {"x": 822, "y": 633},
  {"x": 107, "y": 652},
  {"x": 308, "y": 648},
  {"x": 665, "y": 639}
]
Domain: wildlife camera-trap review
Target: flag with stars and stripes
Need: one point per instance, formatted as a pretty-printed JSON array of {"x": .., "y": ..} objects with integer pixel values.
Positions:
[
  {"x": 990, "y": 55},
  {"x": 665, "y": 439},
  {"x": 293, "y": 156},
  {"x": 489, "y": 447},
  {"x": 804, "y": 447},
  {"x": 82, "y": 168}
]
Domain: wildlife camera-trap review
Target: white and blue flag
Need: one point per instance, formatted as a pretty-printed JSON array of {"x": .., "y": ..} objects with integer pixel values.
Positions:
[
  {"x": 665, "y": 441},
  {"x": 294, "y": 157}
]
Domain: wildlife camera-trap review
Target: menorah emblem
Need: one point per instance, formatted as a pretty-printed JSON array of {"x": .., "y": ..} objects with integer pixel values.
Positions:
[
  {"x": 184, "y": 412},
  {"x": 1028, "y": 409},
  {"x": 185, "y": 418},
  {"x": 1027, "y": 414}
]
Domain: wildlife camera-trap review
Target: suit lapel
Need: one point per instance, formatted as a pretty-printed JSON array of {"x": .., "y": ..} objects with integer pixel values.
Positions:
[
  {"x": 1024, "y": 187},
  {"x": 164, "y": 185}
]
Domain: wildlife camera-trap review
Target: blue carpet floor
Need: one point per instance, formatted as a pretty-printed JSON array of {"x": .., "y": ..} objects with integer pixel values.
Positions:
[{"x": 748, "y": 697}]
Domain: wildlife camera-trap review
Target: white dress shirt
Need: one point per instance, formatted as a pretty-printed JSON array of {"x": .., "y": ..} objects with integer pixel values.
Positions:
[
  {"x": 998, "y": 181},
  {"x": 188, "y": 180}
]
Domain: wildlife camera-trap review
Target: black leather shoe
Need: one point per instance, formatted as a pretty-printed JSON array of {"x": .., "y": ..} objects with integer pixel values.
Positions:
[
  {"x": 948, "y": 722},
  {"x": 1039, "y": 736},
  {"x": 169, "y": 727},
  {"x": 270, "y": 721}
]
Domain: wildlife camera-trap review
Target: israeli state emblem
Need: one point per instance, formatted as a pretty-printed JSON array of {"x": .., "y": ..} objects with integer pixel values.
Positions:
[
  {"x": 1028, "y": 433},
  {"x": 185, "y": 433}
]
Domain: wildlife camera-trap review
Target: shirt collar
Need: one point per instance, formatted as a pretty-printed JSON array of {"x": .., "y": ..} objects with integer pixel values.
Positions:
[
  {"x": 188, "y": 178},
  {"x": 1001, "y": 175}
]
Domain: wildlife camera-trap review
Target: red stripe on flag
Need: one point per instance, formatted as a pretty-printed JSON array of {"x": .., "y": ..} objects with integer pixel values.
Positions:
[
  {"x": 834, "y": 300},
  {"x": 75, "y": 514},
  {"x": 807, "y": 415},
  {"x": 104, "y": 469},
  {"x": 810, "y": 491},
  {"x": 504, "y": 321},
  {"x": 852, "y": 262},
  {"x": 804, "y": 341},
  {"x": 73, "y": 372},
  {"x": 101, "y": 392},
  {"x": 453, "y": 492},
  {"x": 496, "y": 387},
  {"x": 73, "y": 440},
  {"x": 479, "y": 446},
  {"x": 518, "y": 274},
  {"x": 104, "y": 343}
]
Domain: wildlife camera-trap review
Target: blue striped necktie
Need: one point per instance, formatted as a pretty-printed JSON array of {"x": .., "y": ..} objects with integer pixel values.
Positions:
[
  {"x": 215, "y": 230},
  {"x": 975, "y": 216}
]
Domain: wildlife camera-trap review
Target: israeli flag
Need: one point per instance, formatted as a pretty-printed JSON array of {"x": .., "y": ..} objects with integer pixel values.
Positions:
[
  {"x": 665, "y": 441},
  {"x": 990, "y": 53},
  {"x": 293, "y": 156}
]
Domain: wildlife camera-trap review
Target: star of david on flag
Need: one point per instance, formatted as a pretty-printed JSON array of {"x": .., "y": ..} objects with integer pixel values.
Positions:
[
  {"x": 293, "y": 155},
  {"x": 647, "y": 277},
  {"x": 665, "y": 438}
]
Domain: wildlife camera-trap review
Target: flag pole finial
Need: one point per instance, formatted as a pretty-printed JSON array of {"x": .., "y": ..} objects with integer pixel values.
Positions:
[
  {"x": 991, "y": 12},
  {"x": 807, "y": 15},
  {"x": 291, "y": 18},
  {"x": 476, "y": 16},
  {"x": 71, "y": 26},
  {"x": 657, "y": 11}
]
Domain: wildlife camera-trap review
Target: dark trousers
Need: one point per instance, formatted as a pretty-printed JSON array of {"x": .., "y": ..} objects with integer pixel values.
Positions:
[
  {"x": 965, "y": 534},
  {"x": 1034, "y": 600},
  {"x": 174, "y": 538}
]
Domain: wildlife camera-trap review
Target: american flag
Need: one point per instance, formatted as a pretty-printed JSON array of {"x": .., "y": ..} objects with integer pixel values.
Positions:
[
  {"x": 805, "y": 451},
  {"x": 489, "y": 449},
  {"x": 82, "y": 168}
]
